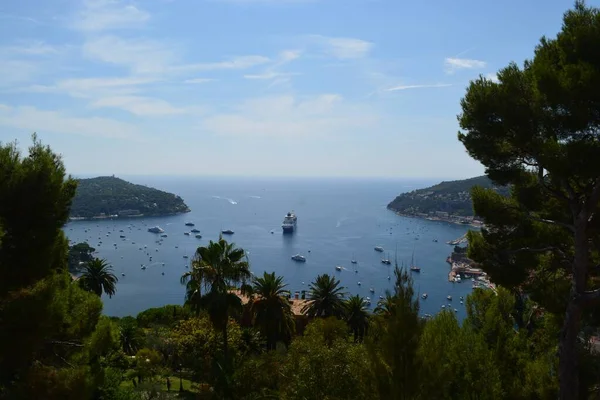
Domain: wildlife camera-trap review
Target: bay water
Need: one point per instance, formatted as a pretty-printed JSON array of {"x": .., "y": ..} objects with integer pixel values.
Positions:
[{"x": 338, "y": 220}]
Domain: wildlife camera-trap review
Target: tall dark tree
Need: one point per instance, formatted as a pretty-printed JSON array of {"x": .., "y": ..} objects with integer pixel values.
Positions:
[
  {"x": 43, "y": 318},
  {"x": 326, "y": 298},
  {"x": 357, "y": 316},
  {"x": 538, "y": 129},
  {"x": 218, "y": 268},
  {"x": 394, "y": 340},
  {"x": 98, "y": 277},
  {"x": 271, "y": 309}
]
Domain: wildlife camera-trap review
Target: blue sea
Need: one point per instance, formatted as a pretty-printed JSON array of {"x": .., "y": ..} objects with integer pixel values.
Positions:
[{"x": 338, "y": 220}]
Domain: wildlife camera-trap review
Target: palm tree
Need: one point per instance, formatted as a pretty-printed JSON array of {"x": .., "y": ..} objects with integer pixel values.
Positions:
[
  {"x": 386, "y": 307},
  {"x": 357, "y": 316},
  {"x": 326, "y": 298},
  {"x": 98, "y": 277},
  {"x": 130, "y": 335},
  {"x": 217, "y": 268},
  {"x": 193, "y": 281},
  {"x": 270, "y": 308}
]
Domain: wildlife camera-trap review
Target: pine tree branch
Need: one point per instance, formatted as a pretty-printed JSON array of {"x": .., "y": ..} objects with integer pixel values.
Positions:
[
  {"x": 591, "y": 296},
  {"x": 541, "y": 181},
  {"x": 533, "y": 250},
  {"x": 592, "y": 202},
  {"x": 65, "y": 361},
  {"x": 552, "y": 222},
  {"x": 66, "y": 343}
]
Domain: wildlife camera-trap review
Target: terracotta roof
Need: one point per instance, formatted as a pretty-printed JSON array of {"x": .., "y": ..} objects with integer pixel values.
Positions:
[{"x": 296, "y": 305}]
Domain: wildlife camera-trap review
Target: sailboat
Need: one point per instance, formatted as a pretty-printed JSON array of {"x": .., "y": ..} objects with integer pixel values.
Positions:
[
  {"x": 353, "y": 261},
  {"x": 413, "y": 267}
]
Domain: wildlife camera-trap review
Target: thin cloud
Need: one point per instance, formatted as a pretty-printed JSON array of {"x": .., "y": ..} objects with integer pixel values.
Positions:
[
  {"x": 408, "y": 87},
  {"x": 30, "y": 49},
  {"x": 140, "y": 106},
  {"x": 272, "y": 73},
  {"x": 102, "y": 15},
  {"x": 343, "y": 48},
  {"x": 453, "y": 64},
  {"x": 199, "y": 80},
  {"x": 492, "y": 77},
  {"x": 241, "y": 62},
  {"x": 278, "y": 116},
  {"x": 19, "y": 18},
  {"x": 139, "y": 55},
  {"x": 32, "y": 119},
  {"x": 272, "y": 2}
]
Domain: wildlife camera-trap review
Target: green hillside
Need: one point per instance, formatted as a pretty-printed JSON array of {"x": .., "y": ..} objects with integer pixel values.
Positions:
[
  {"x": 108, "y": 195},
  {"x": 453, "y": 197}
]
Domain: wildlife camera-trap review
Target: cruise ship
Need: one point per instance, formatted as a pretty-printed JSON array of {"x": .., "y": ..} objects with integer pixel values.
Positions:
[{"x": 289, "y": 223}]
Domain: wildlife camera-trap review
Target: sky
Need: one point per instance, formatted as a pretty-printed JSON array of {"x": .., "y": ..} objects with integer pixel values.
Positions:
[{"x": 348, "y": 88}]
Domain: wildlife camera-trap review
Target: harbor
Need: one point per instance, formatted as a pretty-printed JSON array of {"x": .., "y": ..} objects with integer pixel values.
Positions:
[{"x": 341, "y": 229}]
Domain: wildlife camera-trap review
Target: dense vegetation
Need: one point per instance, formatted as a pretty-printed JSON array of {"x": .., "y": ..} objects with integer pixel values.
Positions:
[
  {"x": 453, "y": 197},
  {"x": 56, "y": 345},
  {"x": 79, "y": 255},
  {"x": 538, "y": 129},
  {"x": 527, "y": 340},
  {"x": 109, "y": 195}
]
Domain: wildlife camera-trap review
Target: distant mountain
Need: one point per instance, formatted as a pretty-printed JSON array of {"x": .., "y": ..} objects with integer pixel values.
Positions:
[
  {"x": 452, "y": 197},
  {"x": 109, "y": 196}
]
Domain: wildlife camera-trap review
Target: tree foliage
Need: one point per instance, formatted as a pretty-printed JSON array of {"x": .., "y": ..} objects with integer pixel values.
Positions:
[
  {"x": 98, "y": 277},
  {"x": 271, "y": 310},
  {"x": 326, "y": 297},
  {"x": 537, "y": 129}
]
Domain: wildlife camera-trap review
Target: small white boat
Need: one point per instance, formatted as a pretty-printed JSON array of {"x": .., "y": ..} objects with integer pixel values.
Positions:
[
  {"x": 299, "y": 258},
  {"x": 186, "y": 233},
  {"x": 123, "y": 274},
  {"x": 424, "y": 295},
  {"x": 189, "y": 224},
  {"x": 372, "y": 290},
  {"x": 358, "y": 283},
  {"x": 185, "y": 256},
  {"x": 227, "y": 232},
  {"x": 143, "y": 267},
  {"x": 338, "y": 268},
  {"x": 198, "y": 236},
  {"x": 449, "y": 298},
  {"x": 379, "y": 249}
]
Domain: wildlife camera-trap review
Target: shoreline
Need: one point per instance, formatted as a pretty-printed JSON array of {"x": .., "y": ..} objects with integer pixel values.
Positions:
[
  {"x": 436, "y": 219},
  {"x": 104, "y": 217}
]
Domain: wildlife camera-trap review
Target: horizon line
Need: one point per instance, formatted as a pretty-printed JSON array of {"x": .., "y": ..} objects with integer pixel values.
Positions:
[{"x": 316, "y": 177}]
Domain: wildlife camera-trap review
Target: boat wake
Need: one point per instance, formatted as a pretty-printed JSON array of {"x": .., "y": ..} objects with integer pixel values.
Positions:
[
  {"x": 340, "y": 221},
  {"x": 231, "y": 201},
  {"x": 254, "y": 197}
]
